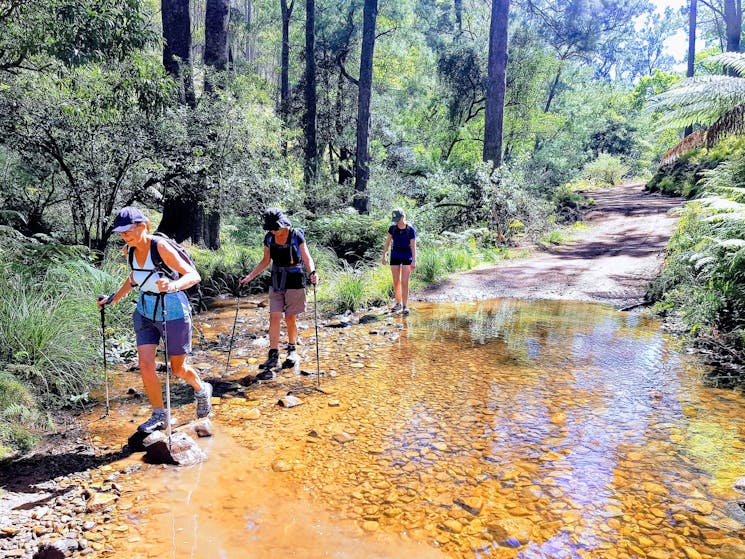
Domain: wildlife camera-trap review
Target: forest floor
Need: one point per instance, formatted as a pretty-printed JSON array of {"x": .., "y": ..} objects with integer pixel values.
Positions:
[{"x": 612, "y": 261}]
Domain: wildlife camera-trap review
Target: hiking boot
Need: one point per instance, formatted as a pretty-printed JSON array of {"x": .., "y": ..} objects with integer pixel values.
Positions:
[
  {"x": 405, "y": 310},
  {"x": 156, "y": 422},
  {"x": 397, "y": 307},
  {"x": 292, "y": 358},
  {"x": 272, "y": 360},
  {"x": 204, "y": 400}
]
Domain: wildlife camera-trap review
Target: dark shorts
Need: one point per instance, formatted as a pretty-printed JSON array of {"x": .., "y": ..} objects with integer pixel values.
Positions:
[
  {"x": 397, "y": 261},
  {"x": 149, "y": 332}
]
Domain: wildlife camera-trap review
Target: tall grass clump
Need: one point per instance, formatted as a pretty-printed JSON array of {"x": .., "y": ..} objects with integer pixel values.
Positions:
[
  {"x": 21, "y": 419},
  {"x": 48, "y": 338}
]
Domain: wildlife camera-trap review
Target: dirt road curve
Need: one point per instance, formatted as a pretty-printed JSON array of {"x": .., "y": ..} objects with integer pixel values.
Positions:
[{"x": 611, "y": 262}]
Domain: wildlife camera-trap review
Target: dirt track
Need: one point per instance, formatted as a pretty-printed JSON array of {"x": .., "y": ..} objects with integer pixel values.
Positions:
[{"x": 611, "y": 262}]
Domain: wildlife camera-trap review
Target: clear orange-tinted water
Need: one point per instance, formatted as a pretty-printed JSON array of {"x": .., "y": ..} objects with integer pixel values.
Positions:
[{"x": 490, "y": 429}]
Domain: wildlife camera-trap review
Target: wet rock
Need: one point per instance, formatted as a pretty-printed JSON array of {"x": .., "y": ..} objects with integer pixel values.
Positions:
[
  {"x": 289, "y": 401},
  {"x": 343, "y": 437},
  {"x": 182, "y": 450},
  {"x": 281, "y": 466},
  {"x": 204, "y": 428},
  {"x": 250, "y": 415},
  {"x": 368, "y": 318},
  {"x": 333, "y": 403},
  {"x": 470, "y": 504},
  {"x": 731, "y": 551},
  {"x": 451, "y": 525},
  {"x": 700, "y": 506},
  {"x": 739, "y": 485},
  {"x": 99, "y": 502},
  {"x": 507, "y": 531},
  {"x": 47, "y": 551}
]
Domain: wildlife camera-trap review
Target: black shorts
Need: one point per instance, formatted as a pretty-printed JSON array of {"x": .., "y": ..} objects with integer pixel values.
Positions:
[{"x": 398, "y": 261}]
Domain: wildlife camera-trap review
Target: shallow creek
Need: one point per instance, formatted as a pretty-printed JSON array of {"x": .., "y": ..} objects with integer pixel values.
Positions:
[{"x": 493, "y": 429}]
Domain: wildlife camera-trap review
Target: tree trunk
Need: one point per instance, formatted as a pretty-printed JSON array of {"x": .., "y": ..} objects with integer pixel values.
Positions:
[
  {"x": 310, "y": 124},
  {"x": 248, "y": 52},
  {"x": 362, "y": 163},
  {"x": 177, "y": 47},
  {"x": 459, "y": 16},
  {"x": 496, "y": 82},
  {"x": 284, "y": 79},
  {"x": 216, "y": 38},
  {"x": 733, "y": 23},
  {"x": 183, "y": 214},
  {"x": 184, "y": 219},
  {"x": 691, "y": 49}
]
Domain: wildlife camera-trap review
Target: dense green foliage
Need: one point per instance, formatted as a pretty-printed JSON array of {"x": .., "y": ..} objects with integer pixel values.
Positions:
[{"x": 703, "y": 281}]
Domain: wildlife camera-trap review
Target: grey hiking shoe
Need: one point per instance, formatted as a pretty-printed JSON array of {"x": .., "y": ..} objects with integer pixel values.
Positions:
[
  {"x": 397, "y": 307},
  {"x": 156, "y": 422},
  {"x": 405, "y": 310},
  {"x": 204, "y": 400},
  {"x": 292, "y": 358}
]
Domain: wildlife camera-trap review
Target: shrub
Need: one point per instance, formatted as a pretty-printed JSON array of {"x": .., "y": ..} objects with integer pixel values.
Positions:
[{"x": 607, "y": 169}]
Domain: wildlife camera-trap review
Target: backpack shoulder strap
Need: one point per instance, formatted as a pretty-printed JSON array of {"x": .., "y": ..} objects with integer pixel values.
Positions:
[{"x": 296, "y": 245}]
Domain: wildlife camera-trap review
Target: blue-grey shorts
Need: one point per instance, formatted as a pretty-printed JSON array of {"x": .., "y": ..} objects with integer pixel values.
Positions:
[{"x": 149, "y": 332}]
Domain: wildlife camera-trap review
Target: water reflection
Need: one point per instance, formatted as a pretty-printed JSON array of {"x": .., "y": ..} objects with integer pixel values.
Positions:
[{"x": 491, "y": 429}]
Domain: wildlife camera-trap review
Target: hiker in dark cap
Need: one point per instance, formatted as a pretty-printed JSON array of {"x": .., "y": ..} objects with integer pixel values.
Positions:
[
  {"x": 402, "y": 236},
  {"x": 285, "y": 249},
  {"x": 160, "y": 296}
]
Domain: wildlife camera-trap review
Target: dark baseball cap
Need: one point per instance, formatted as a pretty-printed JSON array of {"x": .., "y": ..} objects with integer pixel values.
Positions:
[
  {"x": 127, "y": 217},
  {"x": 398, "y": 213},
  {"x": 275, "y": 219}
]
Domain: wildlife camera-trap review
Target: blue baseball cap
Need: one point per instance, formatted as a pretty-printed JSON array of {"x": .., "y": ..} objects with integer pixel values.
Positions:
[{"x": 127, "y": 217}]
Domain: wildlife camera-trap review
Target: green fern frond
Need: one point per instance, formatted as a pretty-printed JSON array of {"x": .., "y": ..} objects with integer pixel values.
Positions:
[
  {"x": 732, "y": 60},
  {"x": 699, "y": 100}
]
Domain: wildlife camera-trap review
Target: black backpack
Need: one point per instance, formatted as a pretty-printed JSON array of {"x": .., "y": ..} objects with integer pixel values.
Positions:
[{"x": 193, "y": 293}]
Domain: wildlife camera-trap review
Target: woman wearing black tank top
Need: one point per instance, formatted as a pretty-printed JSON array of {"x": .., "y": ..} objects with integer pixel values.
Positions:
[{"x": 285, "y": 249}]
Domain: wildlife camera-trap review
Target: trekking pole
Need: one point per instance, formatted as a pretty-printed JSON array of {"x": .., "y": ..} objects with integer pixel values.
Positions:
[
  {"x": 315, "y": 320},
  {"x": 105, "y": 365},
  {"x": 168, "y": 371},
  {"x": 235, "y": 321}
]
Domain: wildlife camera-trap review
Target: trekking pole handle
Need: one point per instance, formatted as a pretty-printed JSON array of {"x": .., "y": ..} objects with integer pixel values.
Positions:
[{"x": 106, "y": 298}]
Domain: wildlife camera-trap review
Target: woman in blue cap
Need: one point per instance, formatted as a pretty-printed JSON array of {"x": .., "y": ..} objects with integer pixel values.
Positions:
[
  {"x": 403, "y": 258},
  {"x": 285, "y": 249},
  {"x": 160, "y": 297}
]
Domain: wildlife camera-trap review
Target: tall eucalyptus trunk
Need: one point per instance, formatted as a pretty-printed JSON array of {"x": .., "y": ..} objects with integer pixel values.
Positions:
[
  {"x": 691, "y": 48},
  {"x": 177, "y": 47},
  {"x": 311, "y": 101},
  {"x": 733, "y": 23},
  {"x": 496, "y": 82},
  {"x": 362, "y": 163},
  {"x": 284, "y": 76},
  {"x": 216, "y": 38}
]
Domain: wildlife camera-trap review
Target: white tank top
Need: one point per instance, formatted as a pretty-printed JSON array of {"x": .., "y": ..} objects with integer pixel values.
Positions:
[{"x": 141, "y": 276}]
